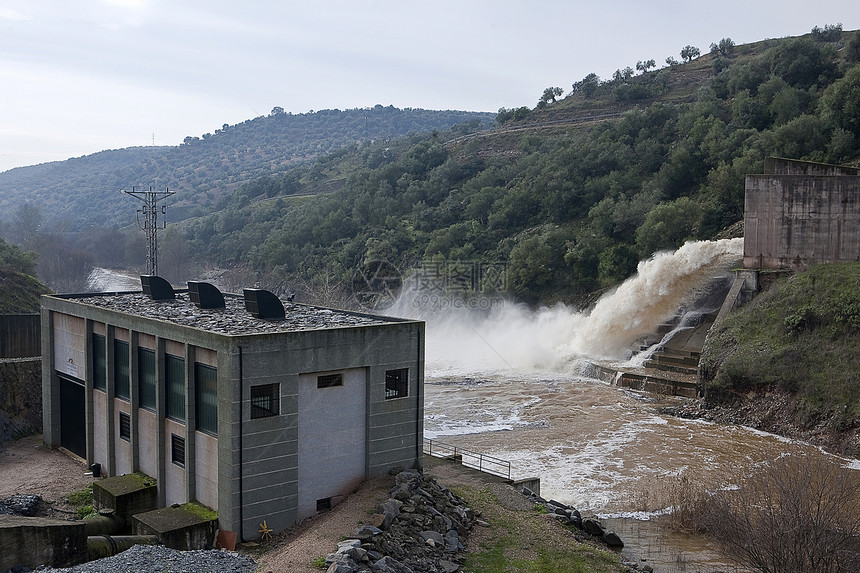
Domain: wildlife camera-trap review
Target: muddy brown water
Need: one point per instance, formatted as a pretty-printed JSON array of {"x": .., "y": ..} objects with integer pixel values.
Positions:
[{"x": 605, "y": 450}]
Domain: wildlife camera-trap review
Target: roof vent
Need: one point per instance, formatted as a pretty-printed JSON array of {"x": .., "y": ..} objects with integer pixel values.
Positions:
[
  {"x": 263, "y": 304},
  {"x": 205, "y": 295},
  {"x": 156, "y": 287}
]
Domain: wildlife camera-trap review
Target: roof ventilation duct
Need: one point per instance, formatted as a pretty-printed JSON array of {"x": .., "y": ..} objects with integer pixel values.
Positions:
[
  {"x": 205, "y": 295},
  {"x": 263, "y": 304},
  {"x": 156, "y": 288}
]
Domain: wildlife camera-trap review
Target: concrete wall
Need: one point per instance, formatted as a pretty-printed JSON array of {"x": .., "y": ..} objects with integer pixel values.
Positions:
[
  {"x": 262, "y": 454},
  {"x": 33, "y": 541},
  {"x": 20, "y": 335},
  {"x": 793, "y": 221},
  {"x": 20, "y": 397}
]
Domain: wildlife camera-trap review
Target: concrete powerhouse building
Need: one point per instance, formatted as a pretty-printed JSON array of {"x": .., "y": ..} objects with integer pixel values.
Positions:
[{"x": 259, "y": 409}]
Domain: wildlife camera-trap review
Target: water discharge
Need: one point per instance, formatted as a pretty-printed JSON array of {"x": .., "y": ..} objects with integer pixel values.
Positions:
[
  {"x": 515, "y": 338},
  {"x": 508, "y": 383}
]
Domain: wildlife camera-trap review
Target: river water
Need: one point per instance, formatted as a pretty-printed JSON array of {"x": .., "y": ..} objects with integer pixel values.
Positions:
[{"x": 511, "y": 384}]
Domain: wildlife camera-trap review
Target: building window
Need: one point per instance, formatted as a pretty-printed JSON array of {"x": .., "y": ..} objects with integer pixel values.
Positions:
[
  {"x": 120, "y": 369},
  {"x": 177, "y": 450},
  {"x": 146, "y": 383},
  {"x": 174, "y": 379},
  {"x": 396, "y": 383},
  {"x": 206, "y": 378},
  {"x": 329, "y": 380},
  {"x": 265, "y": 400},
  {"x": 125, "y": 426},
  {"x": 99, "y": 362}
]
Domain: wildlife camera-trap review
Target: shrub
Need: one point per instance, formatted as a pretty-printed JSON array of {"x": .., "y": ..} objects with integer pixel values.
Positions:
[{"x": 795, "y": 514}]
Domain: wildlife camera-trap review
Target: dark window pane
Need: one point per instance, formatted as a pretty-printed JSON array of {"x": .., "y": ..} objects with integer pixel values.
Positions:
[
  {"x": 146, "y": 369},
  {"x": 174, "y": 377},
  {"x": 396, "y": 383},
  {"x": 329, "y": 380},
  {"x": 99, "y": 362},
  {"x": 120, "y": 369},
  {"x": 207, "y": 398},
  {"x": 265, "y": 400}
]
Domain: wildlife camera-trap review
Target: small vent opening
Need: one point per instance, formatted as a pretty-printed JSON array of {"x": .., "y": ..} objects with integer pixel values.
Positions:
[{"x": 324, "y": 504}]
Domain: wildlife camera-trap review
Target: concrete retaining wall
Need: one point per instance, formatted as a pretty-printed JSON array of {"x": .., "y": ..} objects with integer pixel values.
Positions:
[
  {"x": 33, "y": 541},
  {"x": 20, "y": 397}
]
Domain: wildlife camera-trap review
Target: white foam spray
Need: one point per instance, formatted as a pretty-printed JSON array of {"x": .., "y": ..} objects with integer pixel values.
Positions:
[{"x": 514, "y": 338}]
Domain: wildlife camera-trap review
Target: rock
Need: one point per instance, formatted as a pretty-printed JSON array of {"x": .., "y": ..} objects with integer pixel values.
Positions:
[
  {"x": 593, "y": 527},
  {"x": 612, "y": 540},
  {"x": 365, "y": 533},
  {"x": 448, "y": 566},
  {"x": 389, "y": 565},
  {"x": 434, "y": 536},
  {"x": 339, "y": 568},
  {"x": 390, "y": 509}
]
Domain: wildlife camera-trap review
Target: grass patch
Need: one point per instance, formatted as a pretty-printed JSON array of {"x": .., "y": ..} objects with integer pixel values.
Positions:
[
  {"x": 318, "y": 562},
  {"x": 528, "y": 541},
  {"x": 200, "y": 510},
  {"x": 82, "y": 501}
]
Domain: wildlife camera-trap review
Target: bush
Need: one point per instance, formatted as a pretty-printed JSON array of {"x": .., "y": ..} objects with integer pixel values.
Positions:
[{"x": 796, "y": 514}]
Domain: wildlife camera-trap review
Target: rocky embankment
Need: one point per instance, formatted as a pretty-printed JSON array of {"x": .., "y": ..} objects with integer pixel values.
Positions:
[
  {"x": 417, "y": 529},
  {"x": 421, "y": 528}
]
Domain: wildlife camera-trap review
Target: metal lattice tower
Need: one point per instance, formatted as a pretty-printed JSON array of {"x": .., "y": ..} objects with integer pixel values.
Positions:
[{"x": 149, "y": 222}]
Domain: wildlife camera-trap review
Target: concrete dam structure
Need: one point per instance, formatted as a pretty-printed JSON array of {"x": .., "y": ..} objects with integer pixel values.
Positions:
[{"x": 799, "y": 214}]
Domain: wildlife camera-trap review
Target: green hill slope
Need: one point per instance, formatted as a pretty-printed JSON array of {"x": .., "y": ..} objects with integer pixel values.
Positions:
[{"x": 568, "y": 204}]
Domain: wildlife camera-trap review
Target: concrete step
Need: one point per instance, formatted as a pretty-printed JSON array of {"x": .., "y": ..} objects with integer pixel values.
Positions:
[{"x": 687, "y": 370}]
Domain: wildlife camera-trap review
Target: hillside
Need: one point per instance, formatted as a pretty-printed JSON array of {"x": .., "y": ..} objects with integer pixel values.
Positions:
[
  {"x": 84, "y": 191},
  {"x": 787, "y": 362},
  {"x": 564, "y": 202}
]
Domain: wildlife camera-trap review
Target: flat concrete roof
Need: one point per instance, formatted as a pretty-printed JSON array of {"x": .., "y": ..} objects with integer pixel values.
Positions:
[{"x": 231, "y": 320}]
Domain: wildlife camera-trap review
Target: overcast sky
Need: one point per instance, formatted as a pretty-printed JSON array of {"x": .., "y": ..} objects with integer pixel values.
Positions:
[{"x": 80, "y": 76}]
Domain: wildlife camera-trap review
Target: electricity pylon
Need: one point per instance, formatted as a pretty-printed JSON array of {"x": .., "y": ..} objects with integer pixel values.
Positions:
[{"x": 149, "y": 224}]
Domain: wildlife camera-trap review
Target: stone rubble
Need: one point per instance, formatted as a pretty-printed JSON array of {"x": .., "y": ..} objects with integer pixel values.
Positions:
[
  {"x": 233, "y": 319},
  {"x": 26, "y": 505},
  {"x": 419, "y": 529}
]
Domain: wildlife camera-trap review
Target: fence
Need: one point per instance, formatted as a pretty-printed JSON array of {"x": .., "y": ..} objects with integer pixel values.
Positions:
[
  {"x": 20, "y": 335},
  {"x": 478, "y": 461}
]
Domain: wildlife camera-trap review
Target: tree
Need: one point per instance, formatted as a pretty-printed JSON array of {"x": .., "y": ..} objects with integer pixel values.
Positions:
[
  {"x": 689, "y": 53},
  {"x": 672, "y": 62},
  {"x": 840, "y": 103},
  {"x": 550, "y": 93},
  {"x": 587, "y": 85},
  {"x": 12, "y": 256},
  {"x": 277, "y": 110},
  {"x": 623, "y": 75},
  {"x": 667, "y": 225},
  {"x": 646, "y": 65},
  {"x": 724, "y": 48}
]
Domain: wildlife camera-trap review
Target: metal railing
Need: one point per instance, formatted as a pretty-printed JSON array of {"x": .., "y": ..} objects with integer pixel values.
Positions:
[{"x": 475, "y": 460}]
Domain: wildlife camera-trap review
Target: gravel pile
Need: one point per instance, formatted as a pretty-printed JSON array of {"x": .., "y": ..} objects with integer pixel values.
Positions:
[{"x": 156, "y": 558}]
